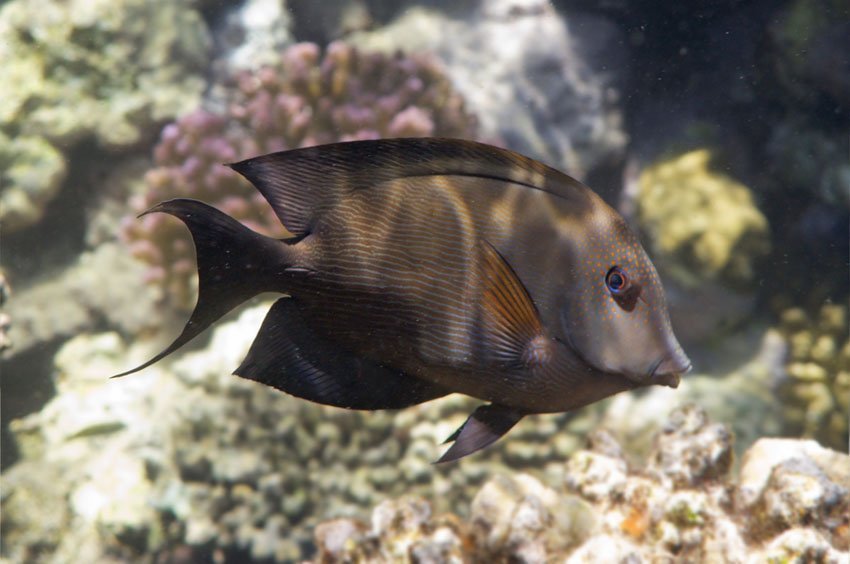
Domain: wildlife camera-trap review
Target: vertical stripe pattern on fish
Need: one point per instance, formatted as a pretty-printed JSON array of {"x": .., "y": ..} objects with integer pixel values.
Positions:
[{"x": 422, "y": 267}]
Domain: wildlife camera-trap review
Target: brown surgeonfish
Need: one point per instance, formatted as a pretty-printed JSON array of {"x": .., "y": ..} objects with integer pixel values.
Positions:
[{"x": 422, "y": 267}]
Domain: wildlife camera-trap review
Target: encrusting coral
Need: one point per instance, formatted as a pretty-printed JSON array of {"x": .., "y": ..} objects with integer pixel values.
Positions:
[
  {"x": 308, "y": 98},
  {"x": 791, "y": 503},
  {"x": 81, "y": 69},
  {"x": 815, "y": 389},
  {"x": 705, "y": 223}
]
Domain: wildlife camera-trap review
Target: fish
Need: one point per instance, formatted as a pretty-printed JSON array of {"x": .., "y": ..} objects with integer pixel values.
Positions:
[{"x": 421, "y": 267}]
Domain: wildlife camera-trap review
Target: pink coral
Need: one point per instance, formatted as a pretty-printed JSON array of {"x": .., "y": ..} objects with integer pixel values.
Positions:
[{"x": 307, "y": 98}]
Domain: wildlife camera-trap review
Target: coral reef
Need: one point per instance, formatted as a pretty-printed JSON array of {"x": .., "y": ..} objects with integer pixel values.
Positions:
[
  {"x": 208, "y": 464},
  {"x": 707, "y": 238},
  {"x": 792, "y": 503},
  {"x": 815, "y": 386},
  {"x": 524, "y": 69},
  {"x": 185, "y": 462},
  {"x": 703, "y": 223},
  {"x": 79, "y": 300},
  {"x": 73, "y": 70},
  {"x": 307, "y": 98},
  {"x": 229, "y": 463},
  {"x": 31, "y": 173}
]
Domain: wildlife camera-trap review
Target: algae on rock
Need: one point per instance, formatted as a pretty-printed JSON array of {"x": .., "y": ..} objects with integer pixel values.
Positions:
[{"x": 82, "y": 69}]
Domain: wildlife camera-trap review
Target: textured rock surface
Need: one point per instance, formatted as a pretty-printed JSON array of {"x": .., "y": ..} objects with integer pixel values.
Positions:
[
  {"x": 516, "y": 64},
  {"x": 75, "y": 300},
  {"x": 111, "y": 71},
  {"x": 796, "y": 484},
  {"x": 791, "y": 504}
]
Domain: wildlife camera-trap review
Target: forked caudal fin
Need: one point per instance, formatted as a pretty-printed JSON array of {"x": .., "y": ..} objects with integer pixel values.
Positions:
[{"x": 234, "y": 265}]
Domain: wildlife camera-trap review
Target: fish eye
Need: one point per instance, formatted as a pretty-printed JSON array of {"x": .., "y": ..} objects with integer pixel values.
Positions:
[{"x": 616, "y": 280}]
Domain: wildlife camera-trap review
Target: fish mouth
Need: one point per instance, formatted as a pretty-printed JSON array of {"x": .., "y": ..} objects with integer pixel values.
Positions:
[{"x": 668, "y": 370}]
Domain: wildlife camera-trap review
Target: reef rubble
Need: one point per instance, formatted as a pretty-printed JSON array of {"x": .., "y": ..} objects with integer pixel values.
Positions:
[{"x": 791, "y": 503}]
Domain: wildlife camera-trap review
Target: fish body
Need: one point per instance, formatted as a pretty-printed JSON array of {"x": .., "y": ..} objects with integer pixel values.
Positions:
[{"x": 422, "y": 267}]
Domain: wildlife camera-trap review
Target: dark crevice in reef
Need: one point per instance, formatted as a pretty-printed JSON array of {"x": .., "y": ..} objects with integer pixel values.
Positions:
[{"x": 27, "y": 385}]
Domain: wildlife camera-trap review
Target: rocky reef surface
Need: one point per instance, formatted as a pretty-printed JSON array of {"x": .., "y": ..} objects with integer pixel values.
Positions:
[
  {"x": 80, "y": 70},
  {"x": 187, "y": 459},
  {"x": 790, "y": 503}
]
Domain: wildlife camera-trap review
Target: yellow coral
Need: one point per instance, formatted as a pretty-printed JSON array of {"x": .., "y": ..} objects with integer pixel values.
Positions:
[
  {"x": 816, "y": 390},
  {"x": 706, "y": 222}
]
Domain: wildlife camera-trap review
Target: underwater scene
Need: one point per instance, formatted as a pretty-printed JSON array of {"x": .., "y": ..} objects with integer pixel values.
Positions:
[{"x": 451, "y": 281}]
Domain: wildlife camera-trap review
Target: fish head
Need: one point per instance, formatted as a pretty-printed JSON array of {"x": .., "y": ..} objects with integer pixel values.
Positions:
[{"x": 615, "y": 316}]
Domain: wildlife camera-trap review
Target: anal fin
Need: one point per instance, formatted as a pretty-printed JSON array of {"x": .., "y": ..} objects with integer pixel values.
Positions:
[
  {"x": 288, "y": 355},
  {"x": 484, "y": 427}
]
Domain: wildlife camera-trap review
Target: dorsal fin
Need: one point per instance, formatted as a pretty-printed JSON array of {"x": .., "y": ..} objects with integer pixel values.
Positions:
[{"x": 297, "y": 182}]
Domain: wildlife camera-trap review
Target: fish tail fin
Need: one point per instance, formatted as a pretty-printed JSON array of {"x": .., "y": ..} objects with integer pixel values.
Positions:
[{"x": 234, "y": 265}]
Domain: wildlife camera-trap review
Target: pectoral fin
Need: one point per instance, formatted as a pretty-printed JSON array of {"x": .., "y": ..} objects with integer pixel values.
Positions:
[
  {"x": 513, "y": 333},
  {"x": 481, "y": 429}
]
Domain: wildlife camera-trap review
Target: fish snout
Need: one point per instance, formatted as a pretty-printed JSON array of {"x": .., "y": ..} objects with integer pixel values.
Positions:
[{"x": 668, "y": 371}]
